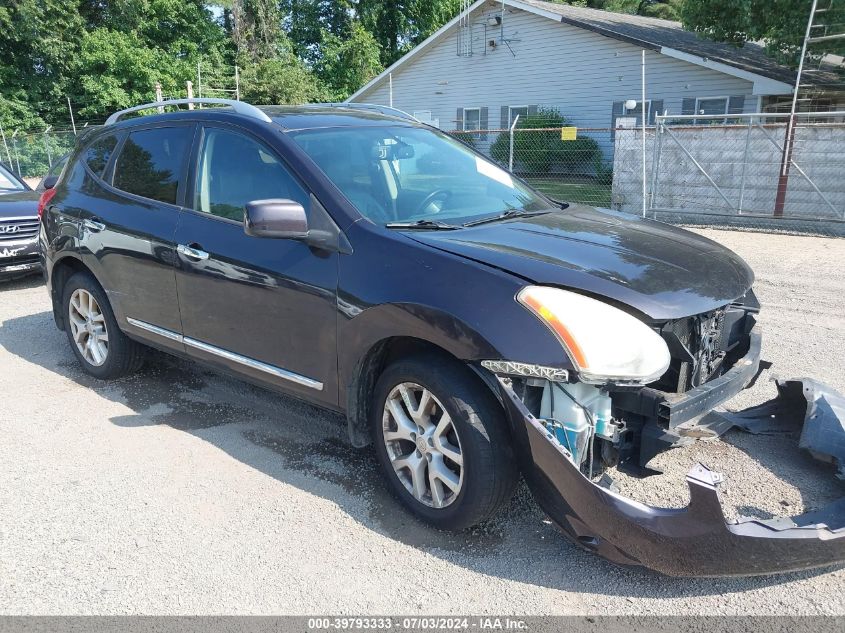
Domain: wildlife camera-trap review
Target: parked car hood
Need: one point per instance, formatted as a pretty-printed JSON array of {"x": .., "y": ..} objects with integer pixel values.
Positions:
[
  {"x": 20, "y": 204},
  {"x": 659, "y": 270}
]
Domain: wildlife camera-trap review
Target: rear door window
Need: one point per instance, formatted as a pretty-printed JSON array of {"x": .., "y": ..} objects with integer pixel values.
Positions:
[{"x": 151, "y": 162}]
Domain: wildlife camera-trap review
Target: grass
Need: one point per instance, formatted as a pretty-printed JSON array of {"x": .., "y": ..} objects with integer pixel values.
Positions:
[{"x": 591, "y": 192}]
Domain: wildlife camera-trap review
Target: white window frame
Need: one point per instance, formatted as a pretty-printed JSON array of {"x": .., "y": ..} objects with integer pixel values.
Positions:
[
  {"x": 727, "y": 101},
  {"x": 423, "y": 115},
  {"x": 464, "y": 122},
  {"x": 647, "y": 108},
  {"x": 519, "y": 107}
]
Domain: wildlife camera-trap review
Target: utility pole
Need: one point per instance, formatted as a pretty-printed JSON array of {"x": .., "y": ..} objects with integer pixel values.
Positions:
[
  {"x": 237, "y": 84},
  {"x": 199, "y": 81},
  {"x": 789, "y": 139},
  {"x": 158, "y": 96},
  {"x": 189, "y": 85},
  {"x": 70, "y": 109}
]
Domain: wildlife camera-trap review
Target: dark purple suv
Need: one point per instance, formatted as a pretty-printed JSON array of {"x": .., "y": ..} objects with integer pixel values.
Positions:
[{"x": 468, "y": 327}]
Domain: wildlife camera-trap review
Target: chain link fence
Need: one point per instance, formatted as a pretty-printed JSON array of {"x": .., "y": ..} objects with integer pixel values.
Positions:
[
  {"x": 31, "y": 155},
  {"x": 565, "y": 163},
  {"x": 752, "y": 170}
]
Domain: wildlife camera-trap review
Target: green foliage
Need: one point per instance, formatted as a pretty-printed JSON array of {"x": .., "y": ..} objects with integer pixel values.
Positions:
[
  {"x": 781, "y": 24},
  {"x": 536, "y": 152},
  {"x": 347, "y": 63},
  {"x": 466, "y": 137},
  {"x": 664, "y": 9},
  {"x": 399, "y": 25},
  {"x": 279, "y": 80}
]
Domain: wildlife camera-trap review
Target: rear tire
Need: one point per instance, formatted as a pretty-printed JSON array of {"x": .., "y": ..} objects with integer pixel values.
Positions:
[
  {"x": 446, "y": 455},
  {"x": 99, "y": 345}
]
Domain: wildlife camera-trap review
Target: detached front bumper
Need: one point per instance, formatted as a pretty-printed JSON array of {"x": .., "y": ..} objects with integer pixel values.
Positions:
[{"x": 692, "y": 541}]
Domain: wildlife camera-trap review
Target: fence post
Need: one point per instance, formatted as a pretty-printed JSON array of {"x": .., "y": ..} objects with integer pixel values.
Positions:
[
  {"x": 510, "y": 157},
  {"x": 70, "y": 109},
  {"x": 5, "y": 144},
  {"x": 744, "y": 165},
  {"x": 655, "y": 159},
  {"x": 47, "y": 146},
  {"x": 17, "y": 155}
]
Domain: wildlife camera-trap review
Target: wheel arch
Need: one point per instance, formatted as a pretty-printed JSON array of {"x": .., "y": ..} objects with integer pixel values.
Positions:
[
  {"x": 62, "y": 270},
  {"x": 372, "y": 364}
]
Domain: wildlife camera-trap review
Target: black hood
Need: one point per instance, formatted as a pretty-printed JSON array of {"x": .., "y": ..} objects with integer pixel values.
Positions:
[
  {"x": 659, "y": 270},
  {"x": 20, "y": 204}
]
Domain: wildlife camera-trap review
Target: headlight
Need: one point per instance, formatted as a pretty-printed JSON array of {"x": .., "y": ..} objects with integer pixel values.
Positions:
[{"x": 604, "y": 343}]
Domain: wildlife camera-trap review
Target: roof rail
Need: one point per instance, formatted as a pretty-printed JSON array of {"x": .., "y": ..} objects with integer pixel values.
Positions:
[
  {"x": 238, "y": 106},
  {"x": 375, "y": 108}
]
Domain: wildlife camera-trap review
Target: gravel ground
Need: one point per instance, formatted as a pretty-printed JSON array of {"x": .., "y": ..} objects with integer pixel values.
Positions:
[{"x": 181, "y": 491}]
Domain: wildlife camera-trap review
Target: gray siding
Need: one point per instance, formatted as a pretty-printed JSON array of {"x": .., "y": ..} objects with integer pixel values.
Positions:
[{"x": 580, "y": 72}]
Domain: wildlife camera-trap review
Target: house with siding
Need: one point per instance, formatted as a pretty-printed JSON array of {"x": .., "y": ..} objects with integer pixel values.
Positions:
[{"x": 500, "y": 59}]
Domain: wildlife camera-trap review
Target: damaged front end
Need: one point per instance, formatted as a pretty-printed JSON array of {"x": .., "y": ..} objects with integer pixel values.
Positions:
[{"x": 569, "y": 431}]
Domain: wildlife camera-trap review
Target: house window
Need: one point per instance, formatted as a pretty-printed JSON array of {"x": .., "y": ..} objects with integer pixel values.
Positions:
[
  {"x": 710, "y": 106},
  {"x": 422, "y": 115},
  {"x": 514, "y": 111},
  {"x": 637, "y": 112},
  {"x": 472, "y": 119}
]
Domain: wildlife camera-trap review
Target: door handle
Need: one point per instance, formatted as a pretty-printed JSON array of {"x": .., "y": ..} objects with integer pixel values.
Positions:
[
  {"x": 191, "y": 252},
  {"x": 95, "y": 226}
]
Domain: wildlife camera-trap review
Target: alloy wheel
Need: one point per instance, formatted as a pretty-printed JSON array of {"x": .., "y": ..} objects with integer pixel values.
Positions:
[
  {"x": 423, "y": 445},
  {"x": 88, "y": 327}
]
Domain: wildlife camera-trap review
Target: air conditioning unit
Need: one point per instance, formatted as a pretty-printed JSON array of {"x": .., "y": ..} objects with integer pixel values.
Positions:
[{"x": 495, "y": 20}]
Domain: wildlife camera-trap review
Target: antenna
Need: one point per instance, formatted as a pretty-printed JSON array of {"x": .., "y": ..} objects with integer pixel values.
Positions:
[{"x": 464, "y": 30}]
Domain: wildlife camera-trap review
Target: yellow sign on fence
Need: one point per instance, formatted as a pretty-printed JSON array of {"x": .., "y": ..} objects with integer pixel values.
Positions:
[{"x": 568, "y": 134}]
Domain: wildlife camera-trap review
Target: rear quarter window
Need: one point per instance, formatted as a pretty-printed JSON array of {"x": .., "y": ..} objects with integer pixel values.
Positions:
[
  {"x": 98, "y": 153},
  {"x": 150, "y": 163}
]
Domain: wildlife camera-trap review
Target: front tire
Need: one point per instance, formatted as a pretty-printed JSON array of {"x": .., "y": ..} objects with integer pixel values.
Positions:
[
  {"x": 441, "y": 441},
  {"x": 97, "y": 342}
]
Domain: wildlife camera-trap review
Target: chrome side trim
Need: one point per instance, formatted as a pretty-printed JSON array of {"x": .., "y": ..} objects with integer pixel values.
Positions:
[
  {"x": 255, "y": 364},
  {"x": 149, "y": 327},
  {"x": 284, "y": 374}
]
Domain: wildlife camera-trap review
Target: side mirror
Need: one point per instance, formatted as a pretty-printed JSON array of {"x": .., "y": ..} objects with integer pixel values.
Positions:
[
  {"x": 278, "y": 218},
  {"x": 49, "y": 182}
]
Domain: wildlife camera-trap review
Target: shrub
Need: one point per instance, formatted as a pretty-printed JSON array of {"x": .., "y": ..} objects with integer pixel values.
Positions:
[
  {"x": 467, "y": 137},
  {"x": 535, "y": 153}
]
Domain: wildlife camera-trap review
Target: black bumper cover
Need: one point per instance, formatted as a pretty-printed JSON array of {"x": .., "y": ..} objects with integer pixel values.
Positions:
[
  {"x": 692, "y": 541},
  {"x": 18, "y": 258}
]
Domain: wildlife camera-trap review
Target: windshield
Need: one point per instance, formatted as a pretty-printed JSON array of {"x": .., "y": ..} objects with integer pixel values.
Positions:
[
  {"x": 8, "y": 182},
  {"x": 405, "y": 174}
]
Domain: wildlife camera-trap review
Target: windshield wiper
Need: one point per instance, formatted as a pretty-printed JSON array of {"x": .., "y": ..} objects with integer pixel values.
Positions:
[
  {"x": 507, "y": 215},
  {"x": 431, "y": 225}
]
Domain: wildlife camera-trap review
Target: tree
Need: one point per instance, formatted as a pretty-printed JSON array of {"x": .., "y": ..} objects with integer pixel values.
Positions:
[
  {"x": 279, "y": 80},
  {"x": 664, "y": 9},
  {"x": 781, "y": 24},
  {"x": 39, "y": 40},
  {"x": 347, "y": 63},
  {"x": 399, "y": 25}
]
